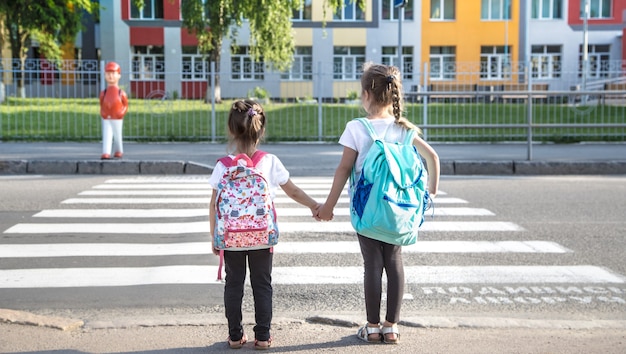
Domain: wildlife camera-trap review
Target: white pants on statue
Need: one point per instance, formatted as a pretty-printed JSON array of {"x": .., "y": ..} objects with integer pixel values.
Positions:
[{"x": 112, "y": 132}]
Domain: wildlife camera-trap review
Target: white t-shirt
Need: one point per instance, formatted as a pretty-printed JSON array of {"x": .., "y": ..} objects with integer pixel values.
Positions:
[
  {"x": 356, "y": 137},
  {"x": 270, "y": 166}
]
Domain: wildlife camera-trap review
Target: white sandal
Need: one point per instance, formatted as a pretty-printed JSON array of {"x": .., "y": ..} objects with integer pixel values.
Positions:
[
  {"x": 393, "y": 329},
  {"x": 364, "y": 333}
]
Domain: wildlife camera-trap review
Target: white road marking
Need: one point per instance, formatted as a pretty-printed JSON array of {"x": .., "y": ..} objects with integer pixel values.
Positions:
[
  {"x": 124, "y": 213},
  {"x": 195, "y": 248},
  {"x": 130, "y": 276},
  {"x": 179, "y": 213},
  {"x": 203, "y": 227},
  {"x": 206, "y": 201}
]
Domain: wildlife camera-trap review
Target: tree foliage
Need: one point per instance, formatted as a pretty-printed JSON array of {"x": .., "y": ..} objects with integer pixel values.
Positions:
[{"x": 52, "y": 23}]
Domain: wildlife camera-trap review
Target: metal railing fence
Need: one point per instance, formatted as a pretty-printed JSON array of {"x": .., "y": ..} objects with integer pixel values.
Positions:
[{"x": 58, "y": 102}]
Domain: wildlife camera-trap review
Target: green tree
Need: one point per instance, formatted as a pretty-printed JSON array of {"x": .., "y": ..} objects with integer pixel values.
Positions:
[
  {"x": 271, "y": 36},
  {"x": 52, "y": 23}
]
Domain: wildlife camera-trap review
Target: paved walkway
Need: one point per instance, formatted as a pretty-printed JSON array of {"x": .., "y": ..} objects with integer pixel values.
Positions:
[{"x": 309, "y": 158}]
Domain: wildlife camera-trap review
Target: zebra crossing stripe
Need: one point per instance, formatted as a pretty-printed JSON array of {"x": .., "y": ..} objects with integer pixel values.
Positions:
[
  {"x": 188, "y": 213},
  {"x": 203, "y": 227},
  {"x": 326, "y": 247},
  {"x": 206, "y": 201},
  {"x": 130, "y": 276}
]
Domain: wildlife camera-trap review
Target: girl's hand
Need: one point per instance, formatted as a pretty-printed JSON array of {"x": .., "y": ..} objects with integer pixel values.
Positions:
[
  {"x": 315, "y": 211},
  {"x": 324, "y": 214},
  {"x": 216, "y": 251}
]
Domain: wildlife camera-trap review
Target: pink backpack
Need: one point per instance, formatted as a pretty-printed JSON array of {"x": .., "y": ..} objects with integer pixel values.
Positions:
[{"x": 245, "y": 215}]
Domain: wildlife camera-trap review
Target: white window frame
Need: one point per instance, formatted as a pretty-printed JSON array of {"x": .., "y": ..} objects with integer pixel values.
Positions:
[
  {"x": 440, "y": 61},
  {"x": 302, "y": 65},
  {"x": 194, "y": 66},
  {"x": 540, "y": 7},
  {"x": 389, "y": 56},
  {"x": 545, "y": 62},
  {"x": 495, "y": 65},
  {"x": 150, "y": 5},
  {"x": 350, "y": 7},
  {"x": 600, "y": 7},
  {"x": 503, "y": 7},
  {"x": 244, "y": 68},
  {"x": 149, "y": 65},
  {"x": 347, "y": 66},
  {"x": 299, "y": 15},
  {"x": 599, "y": 61},
  {"x": 442, "y": 6},
  {"x": 388, "y": 12}
]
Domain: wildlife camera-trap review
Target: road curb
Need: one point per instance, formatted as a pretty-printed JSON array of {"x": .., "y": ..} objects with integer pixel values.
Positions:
[
  {"x": 434, "y": 322},
  {"x": 478, "y": 167},
  {"x": 27, "y": 318}
]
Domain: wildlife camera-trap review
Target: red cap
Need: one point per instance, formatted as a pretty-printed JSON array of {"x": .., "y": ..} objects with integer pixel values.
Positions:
[{"x": 113, "y": 66}]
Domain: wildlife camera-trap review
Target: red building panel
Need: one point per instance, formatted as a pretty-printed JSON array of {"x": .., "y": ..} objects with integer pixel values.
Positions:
[
  {"x": 194, "y": 89},
  {"x": 146, "y": 36},
  {"x": 125, "y": 9},
  {"x": 143, "y": 89},
  {"x": 186, "y": 38},
  {"x": 617, "y": 13},
  {"x": 171, "y": 10}
]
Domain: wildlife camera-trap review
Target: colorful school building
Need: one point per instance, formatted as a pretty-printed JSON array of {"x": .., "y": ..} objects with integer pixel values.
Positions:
[{"x": 456, "y": 42}]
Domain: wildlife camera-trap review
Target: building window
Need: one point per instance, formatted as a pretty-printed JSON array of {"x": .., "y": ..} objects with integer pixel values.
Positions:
[
  {"x": 599, "y": 63},
  {"x": 243, "y": 66},
  {"x": 304, "y": 13},
  {"x": 495, "y": 9},
  {"x": 348, "y": 62},
  {"x": 546, "y": 61},
  {"x": 442, "y": 63},
  {"x": 195, "y": 66},
  {"x": 597, "y": 8},
  {"x": 495, "y": 62},
  {"x": 442, "y": 10},
  {"x": 390, "y": 57},
  {"x": 148, "y": 63},
  {"x": 389, "y": 12},
  {"x": 152, "y": 9},
  {"x": 349, "y": 12},
  {"x": 302, "y": 66},
  {"x": 547, "y": 9}
]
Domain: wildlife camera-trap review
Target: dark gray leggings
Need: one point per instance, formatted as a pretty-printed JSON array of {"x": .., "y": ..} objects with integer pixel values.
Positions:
[{"x": 378, "y": 255}]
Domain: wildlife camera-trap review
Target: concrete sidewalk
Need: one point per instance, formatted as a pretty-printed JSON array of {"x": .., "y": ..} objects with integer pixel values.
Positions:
[
  {"x": 305, "y": 337},
  {"x": 317, "y": 159}
]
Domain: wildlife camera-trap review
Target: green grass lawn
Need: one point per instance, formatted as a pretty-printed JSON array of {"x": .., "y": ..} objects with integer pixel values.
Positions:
[{"x": 192, "y": 120}]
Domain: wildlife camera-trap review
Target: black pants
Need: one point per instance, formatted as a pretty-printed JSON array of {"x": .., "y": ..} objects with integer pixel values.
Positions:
[
  {"x": 377, "y": 256},
  {"x": 260, "y": 264}
]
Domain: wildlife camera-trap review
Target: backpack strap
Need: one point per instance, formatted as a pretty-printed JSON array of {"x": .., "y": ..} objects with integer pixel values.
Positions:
[
  {"x": 369, "y": 127},
  {"x": 250, "y": 162}
]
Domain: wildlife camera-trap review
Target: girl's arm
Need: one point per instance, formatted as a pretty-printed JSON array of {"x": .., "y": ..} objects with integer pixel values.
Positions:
[
  {"x": 294, "y": 192},
  {"x": 212, "y": 212},
  {"x": 432, "y": 164},
  {"x": 348, "y": 158}
]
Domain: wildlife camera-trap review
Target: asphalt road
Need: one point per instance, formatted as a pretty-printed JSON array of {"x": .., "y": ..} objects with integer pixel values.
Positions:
[{"x": 494, "y": 308}]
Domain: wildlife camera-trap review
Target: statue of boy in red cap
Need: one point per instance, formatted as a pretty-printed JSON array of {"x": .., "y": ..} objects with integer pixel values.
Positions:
[{"x": 113, "y": 107}]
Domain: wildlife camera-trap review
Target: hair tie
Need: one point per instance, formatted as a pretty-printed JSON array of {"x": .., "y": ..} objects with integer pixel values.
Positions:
[
  {"x": 390, "y": 78},
  {"x": 251, "y": 112}
]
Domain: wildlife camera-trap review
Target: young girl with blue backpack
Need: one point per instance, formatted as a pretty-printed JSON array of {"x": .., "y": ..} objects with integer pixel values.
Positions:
[
  {"x": 243, "y": 219},
  {"x": 382, "y": 99}
]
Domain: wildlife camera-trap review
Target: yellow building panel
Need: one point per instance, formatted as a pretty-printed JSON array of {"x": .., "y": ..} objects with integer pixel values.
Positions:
[
  {"x": 342, "y": 88},
  {"x": 296, "y": 89},
  {"x": 349, "y": 37},
  {"x": 468, "y": 32},
  {"x": 303, "y": 36}
]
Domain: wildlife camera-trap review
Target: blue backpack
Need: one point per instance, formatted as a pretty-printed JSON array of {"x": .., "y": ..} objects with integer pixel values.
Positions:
[{"x": 388, "y": 201}]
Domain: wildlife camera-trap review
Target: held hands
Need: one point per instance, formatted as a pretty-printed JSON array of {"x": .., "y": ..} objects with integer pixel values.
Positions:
[
  {"x": 324, "y": 213},
  {"x": 325, "y": 216}
]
